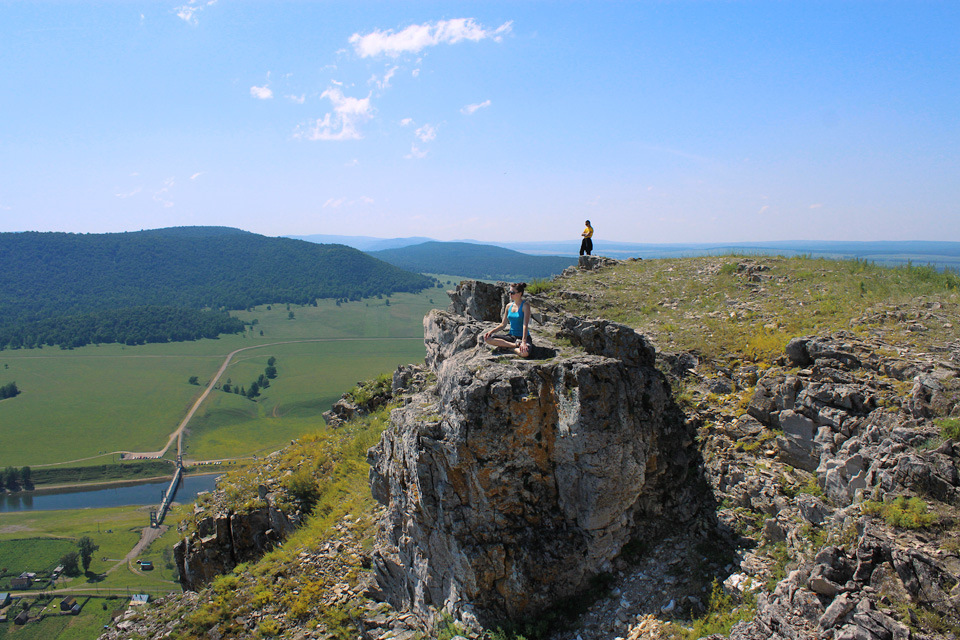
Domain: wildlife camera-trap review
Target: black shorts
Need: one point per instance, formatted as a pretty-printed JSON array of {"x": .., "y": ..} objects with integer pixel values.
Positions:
[{"x": 509, "y": 337}]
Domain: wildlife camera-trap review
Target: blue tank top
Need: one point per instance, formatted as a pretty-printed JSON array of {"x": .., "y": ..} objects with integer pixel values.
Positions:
[{"x": 516, "y": 319}]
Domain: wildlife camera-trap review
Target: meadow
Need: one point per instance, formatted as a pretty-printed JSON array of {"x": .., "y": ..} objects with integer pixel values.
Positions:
[
  {"x": 35, "y": 541},
  {"x": 79, "y": 406}
]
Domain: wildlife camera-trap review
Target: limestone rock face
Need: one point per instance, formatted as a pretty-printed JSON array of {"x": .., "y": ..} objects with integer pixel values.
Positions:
[
  {"x": 510, "y": 483},
  {"x": 479, "y": 300},
  {"x": 225, "y": 540}
]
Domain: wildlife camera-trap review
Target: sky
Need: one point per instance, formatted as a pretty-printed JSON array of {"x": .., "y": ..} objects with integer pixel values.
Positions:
[{"x": 667, "y": 121}]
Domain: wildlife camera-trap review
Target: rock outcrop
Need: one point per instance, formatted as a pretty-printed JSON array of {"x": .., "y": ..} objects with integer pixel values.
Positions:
[
  {"x": 509, "y": 484},
  {"x": 226, "y": 538}
]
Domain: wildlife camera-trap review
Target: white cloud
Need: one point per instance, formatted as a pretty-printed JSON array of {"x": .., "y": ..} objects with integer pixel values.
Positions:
[
  {"x": 128, "y": 194},
  {"x": 415, "y": 73},
  {"x": 262, "y": 93},
  {"x": 355, "y": 162},
  {"x": 159, "y": 196},
  {"x": 342, "y": 124},
  {"x": 415, "y": 153},
  {"x": 417, "y": 37},
  {"x": 297, "y": 99},
  {"x": 426, "y": 133},
  {"x": 384, "y": 82},
  {"x": 336, "y": 203},
  {"x": 196, "y": 175},
  {"x": 406, "y": 122},
  {"x": 818, "y": 205},
  {"x": 188, "y": 12},
  {"x": 470, "y": 109}
]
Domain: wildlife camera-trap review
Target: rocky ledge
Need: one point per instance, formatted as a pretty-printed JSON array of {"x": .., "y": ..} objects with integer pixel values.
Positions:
[{"x": 510, "y": 484}]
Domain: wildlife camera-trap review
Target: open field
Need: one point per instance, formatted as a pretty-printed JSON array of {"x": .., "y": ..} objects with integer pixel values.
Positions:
[
  {"x": 84, "y": 403},
  {"x": 116, "y": 530},
  {"x": 86, "y": 626}
]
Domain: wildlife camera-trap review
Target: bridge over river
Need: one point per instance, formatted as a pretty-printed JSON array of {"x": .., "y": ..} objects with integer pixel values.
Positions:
[{"x": 156, "y": 517}]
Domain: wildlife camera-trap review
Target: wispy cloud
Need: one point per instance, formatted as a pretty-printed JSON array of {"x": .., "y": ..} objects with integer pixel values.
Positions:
[
  {"x": 336, "y": 203},
  {"x": 406, "y": 122},
  {"x": 426, "y": 133},
  {"x": 196, "y": 175},
  {"x": 418, "y": 37},
  {"x": 128, "y": 194},
  {"x": 342, "y": 124},
  {"x": 160, "y": 196},
  {"x": 470, "y": 109},
  {"x": 188, "y": 12},
  {"x": 261, "y": 93},
  {"x": 384, "y": 82},
  {"x": 297, "y": 99},
  {"x": 818, "y": 205},
  {"x": 416, "y": 153}
]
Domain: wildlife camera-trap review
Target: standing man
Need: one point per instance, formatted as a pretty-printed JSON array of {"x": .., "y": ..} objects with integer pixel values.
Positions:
[{"x": 586, "y": 246}]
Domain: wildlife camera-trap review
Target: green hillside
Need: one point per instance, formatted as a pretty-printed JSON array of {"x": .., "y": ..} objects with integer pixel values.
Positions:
[
  {"x": 51, "y": 276},
  {"x": 482, "y": 261}
]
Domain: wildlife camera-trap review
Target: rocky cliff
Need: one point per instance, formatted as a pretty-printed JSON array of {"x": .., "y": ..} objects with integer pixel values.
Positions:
[
  {"x": 815, "y": 486},
  {"x": 509, "y": 483}
]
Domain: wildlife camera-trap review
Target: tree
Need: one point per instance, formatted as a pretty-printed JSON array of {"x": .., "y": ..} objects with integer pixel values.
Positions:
[
  {"x": 290, "y": 316},
  {"x": 226, "y": 387},
  {"x": 9, "y": 390},
  {"x": 87, "y": 547},
  {"x": 271, "y": 361},
  {"x": 70, "y": 562},
  {"x": 194, "y": 380},
  {"x": 270, "y": 372},
  {"x": 253, "y": 391},
  {"x": 11, "y": 479},
  {"x": 25, "y": 475}
]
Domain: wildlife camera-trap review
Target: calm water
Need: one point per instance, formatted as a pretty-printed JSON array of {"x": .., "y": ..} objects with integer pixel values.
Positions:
[{"x": 141, "y": 494}]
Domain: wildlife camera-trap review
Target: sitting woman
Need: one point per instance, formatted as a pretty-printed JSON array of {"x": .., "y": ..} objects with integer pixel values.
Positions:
[{"x": 517, "y": 315}]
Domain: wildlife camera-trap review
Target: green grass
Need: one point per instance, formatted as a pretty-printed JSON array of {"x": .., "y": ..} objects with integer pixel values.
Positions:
[
  {"x": 86, "y": 626},
  {"x": 116, "y": 530},
  {"x": 81, "y": 403},
  {"x": 704, "y": 304},
  {"x": 32, "y": 554},
  {"x": 905, "y": 513}
]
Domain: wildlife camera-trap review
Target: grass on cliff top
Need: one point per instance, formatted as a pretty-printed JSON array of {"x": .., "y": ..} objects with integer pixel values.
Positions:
[
  {"x": 717, "y": 306},
  {"x": 326, "y": 474}
]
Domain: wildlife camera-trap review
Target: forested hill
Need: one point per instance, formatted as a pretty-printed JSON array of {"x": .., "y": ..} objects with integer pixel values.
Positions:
[
  {"x": 53, "y": 275},
  {"x": 470, "y": 260}
]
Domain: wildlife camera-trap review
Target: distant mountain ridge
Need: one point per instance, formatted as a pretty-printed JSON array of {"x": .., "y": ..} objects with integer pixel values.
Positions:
[
  {"x": 889, "y": 252},
  {"x": 486, "y": 262},
  {"x": 56, "y": 275}
]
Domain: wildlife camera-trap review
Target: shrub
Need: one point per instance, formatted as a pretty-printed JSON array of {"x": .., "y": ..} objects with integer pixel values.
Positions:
[
  {"x": 949, "y": 428},
  {"x": 905, "y": 513}
]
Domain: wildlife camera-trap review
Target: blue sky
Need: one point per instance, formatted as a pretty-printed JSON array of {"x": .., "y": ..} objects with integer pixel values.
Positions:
[{"x": 660, "y": 121}]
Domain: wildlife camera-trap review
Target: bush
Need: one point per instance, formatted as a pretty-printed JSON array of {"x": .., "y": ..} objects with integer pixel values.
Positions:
[
  {"x": 949, "y": 428},
  {"x": 906, "y": 513}
]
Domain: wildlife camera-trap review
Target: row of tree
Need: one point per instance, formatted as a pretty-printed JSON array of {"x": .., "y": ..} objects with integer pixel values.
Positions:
[
  {"x": 8, "y": 390},
  {"x": 132, "y": 326},
  {"x": 262, "y": 382},
  {"x": 14, "y": 479}
]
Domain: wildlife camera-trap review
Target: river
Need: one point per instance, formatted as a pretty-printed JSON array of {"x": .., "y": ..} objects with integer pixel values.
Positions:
[{"x": 148, "y": 493}]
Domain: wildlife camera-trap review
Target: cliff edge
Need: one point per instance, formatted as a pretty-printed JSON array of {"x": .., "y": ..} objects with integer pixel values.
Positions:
[{"x": 508, "y": 483}]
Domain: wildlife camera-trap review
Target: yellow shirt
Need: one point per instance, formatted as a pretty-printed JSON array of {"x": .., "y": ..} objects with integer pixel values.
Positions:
[{"x": 588, "y": 232}]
